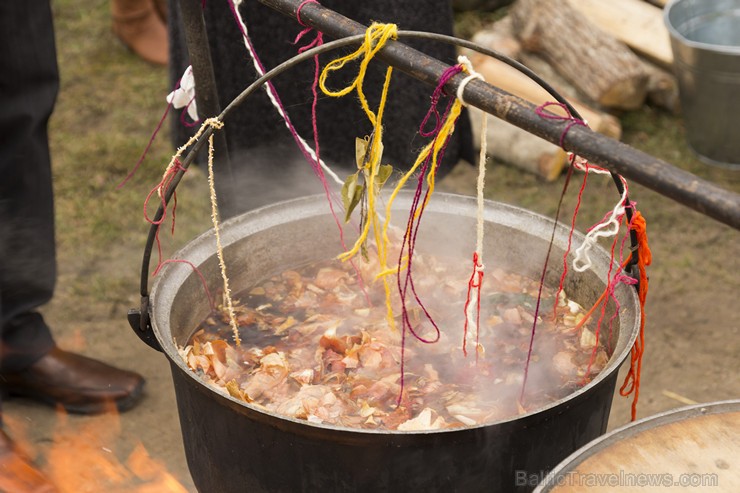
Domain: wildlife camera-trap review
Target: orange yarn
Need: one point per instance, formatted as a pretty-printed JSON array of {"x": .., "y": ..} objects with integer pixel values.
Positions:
[{"x": 644, "y": 258}]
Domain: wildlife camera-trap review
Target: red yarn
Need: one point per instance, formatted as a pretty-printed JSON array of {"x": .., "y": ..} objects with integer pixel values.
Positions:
[
  {"x": 644, "y": 258},
  {"x": 474, "y": 283}
]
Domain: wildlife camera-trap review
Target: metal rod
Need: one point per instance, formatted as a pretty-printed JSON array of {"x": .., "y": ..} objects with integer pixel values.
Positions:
[
  {"x": 651, "y": 172},
  {"x": 206, "y": 94}
]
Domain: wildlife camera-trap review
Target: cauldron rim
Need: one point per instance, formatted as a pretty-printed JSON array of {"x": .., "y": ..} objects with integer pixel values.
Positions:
[{"x": 303, "y": 207}]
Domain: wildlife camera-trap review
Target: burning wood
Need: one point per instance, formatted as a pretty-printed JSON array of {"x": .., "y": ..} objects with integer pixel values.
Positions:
[{"x": 85, "y": 456}]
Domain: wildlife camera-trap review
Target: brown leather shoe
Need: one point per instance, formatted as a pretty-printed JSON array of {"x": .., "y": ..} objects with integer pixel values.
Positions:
[
  {"x": 17, "y": 473},
  {"x": 77, "y": 383},
  {"x": 139, "y": 27},
  {"x": 161, "y": 7}
]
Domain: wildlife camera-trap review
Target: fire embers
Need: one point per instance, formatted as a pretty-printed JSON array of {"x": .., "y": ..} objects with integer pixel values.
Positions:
[{"x": 316, "y": 347}]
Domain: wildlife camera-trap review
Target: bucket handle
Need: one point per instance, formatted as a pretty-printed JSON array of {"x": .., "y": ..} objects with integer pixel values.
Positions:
[{"x": 140, "y": 318}]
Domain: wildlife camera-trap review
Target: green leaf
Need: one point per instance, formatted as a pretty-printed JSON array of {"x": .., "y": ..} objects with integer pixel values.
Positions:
[
  {"x": 361, "y": 147},
  {"x": 348, "y": 190},
  {"x": 351, "y": 195},
  {"x": 384, "y": 172}
]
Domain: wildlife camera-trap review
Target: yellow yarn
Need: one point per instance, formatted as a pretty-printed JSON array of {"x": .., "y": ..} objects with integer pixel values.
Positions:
[
  {"x": 376, "y": 37},
  {"x": 434, "y": 147}
]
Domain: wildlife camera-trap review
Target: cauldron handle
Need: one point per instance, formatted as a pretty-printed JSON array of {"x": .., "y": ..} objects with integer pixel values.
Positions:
[{"x": 140, "y": 319}]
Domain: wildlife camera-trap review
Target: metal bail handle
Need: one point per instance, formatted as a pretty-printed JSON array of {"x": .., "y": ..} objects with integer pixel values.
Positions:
[{"x": 140, "y": 321}]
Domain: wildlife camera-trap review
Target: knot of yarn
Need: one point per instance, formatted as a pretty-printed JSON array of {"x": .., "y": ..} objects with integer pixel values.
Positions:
[
  {"x": 542, "y": 112},
  {"x": 468, "y": 67}
]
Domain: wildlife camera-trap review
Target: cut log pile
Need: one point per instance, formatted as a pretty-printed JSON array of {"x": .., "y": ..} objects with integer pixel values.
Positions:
[{"x": 604, "y": 56}]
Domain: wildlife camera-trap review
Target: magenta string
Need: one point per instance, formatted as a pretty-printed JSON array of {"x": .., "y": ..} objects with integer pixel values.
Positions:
[
  {"x": 412, "y": 226},
  {"x": 542, "y": 282},
  {"x": 146, "y": 149},
  {"x": 318, "y": 41},
  {"x": 184, "y": 115},
  {"x": 298, "y": 12},
  {"x": 315, "y": 164},
  {"x": 151, "y": 141},
  {"x": 570, "y": 236},
  {"x": 436, "y": 95},
  {"x": 543, "y": 113}
]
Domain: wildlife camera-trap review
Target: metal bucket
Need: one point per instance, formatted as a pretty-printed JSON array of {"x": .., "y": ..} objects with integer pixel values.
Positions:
[
  {"x": 690, "y": 448},
  {"x": 705, "y": 38},
  {"x": 233, "y": 447}
]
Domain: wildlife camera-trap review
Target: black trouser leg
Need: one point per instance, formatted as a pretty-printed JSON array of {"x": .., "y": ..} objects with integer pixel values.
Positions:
[{"x": 29, "y": 82}]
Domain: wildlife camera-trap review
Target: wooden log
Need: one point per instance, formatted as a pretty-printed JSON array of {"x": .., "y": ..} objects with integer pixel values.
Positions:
[
  {"x": 510, "y": 144},
  {"x": 662, "y": 88},
  {"x": 500, "y": 37},
  {"x": 519, "y": 148},
  {"x": 636, "y": 23},
  {"x": 511, "y": 80},
  {"x": 603, "y": 68}
]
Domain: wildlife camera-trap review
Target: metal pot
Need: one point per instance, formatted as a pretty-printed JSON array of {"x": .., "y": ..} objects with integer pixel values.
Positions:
[
  {"x": 693, "y": 447},
  {"x": 234, "y": 447}
]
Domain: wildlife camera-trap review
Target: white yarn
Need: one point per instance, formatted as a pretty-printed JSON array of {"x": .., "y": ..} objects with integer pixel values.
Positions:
[
  {"x": 608, "y": 227},
  {"x": 462, "y": 59},
  {"x": 472, "y": 312},
  {"x": 273, "y": 98}
]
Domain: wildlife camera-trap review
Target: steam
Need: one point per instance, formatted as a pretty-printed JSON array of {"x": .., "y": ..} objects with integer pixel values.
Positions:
[{"x": 269, "y": 174}]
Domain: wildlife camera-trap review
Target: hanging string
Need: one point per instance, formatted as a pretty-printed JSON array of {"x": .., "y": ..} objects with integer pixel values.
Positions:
[
  {"x": 318, "y": 41},
  {"x": 576, "y": 209},
  {"x": 195, "y": 269},
  {"x": 185, "y": 85},
  {"x": 308, "y": 153},
  {"x": 571, "y": 122},
  {"x": 146, "y": 149},
  {"x": 376, "y": 37},
  {"x": 475, "y": 283},
  {"x": 631, "y": 383},
  {"x": 609, "y": 226},
  {"x": 427, "y": 162},
  {"x": 161, "y": 188},
  {"x": 217, "y": 125}
]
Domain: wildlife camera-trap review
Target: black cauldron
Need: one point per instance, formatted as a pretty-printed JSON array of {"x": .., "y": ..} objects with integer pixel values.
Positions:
[{"x": 234, "y": 447}]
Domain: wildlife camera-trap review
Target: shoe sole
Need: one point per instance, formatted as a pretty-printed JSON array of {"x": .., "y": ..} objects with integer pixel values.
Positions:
[{"x": 100, "y": 407}]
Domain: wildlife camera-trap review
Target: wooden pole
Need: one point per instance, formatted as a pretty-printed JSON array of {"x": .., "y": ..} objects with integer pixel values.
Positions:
[
  {"x": 206, "y": 96},
  {"x": 651, "y": 172}
]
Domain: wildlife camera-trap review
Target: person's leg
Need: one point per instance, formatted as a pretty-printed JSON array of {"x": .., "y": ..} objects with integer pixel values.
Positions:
[
  {"x": 28, "y": 87},
  {"x": 30, "y": 363}
]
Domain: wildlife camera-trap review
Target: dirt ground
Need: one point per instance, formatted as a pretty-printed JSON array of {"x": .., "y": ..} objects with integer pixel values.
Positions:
[{"x": 111, "y": 102}]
